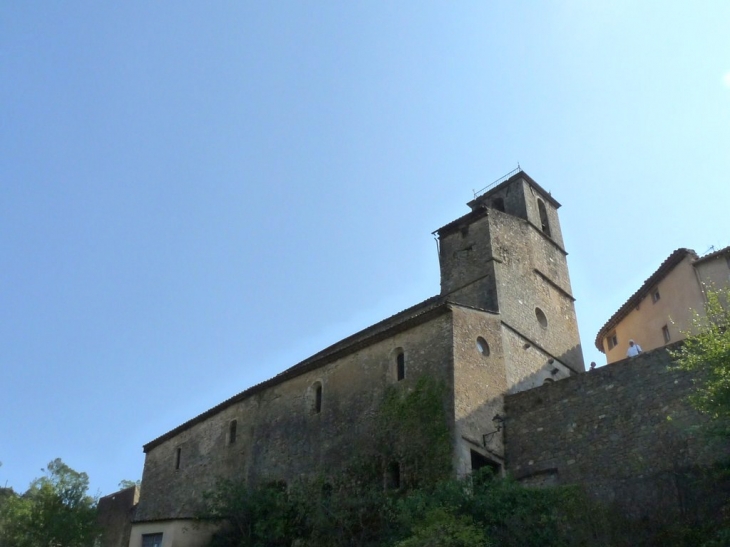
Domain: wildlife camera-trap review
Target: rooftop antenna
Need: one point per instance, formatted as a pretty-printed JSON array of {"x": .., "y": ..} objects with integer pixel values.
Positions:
[{"x": 710, "y": 250}]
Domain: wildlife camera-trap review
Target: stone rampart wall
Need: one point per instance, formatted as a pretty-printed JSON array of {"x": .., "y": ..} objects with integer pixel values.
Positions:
[{"x": 624, "y": 431}]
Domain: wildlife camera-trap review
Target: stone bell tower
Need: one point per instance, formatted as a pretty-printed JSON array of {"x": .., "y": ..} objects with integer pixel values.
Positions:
[{"x": 507, "y": 256}]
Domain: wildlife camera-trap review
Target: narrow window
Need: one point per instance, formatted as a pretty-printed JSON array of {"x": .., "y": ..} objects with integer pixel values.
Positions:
[
  {"x": 393, "y": 476},
  {"x": 232, "y": 432},
  {"x": 400, "y": 365},
  {"x": 655, "y": 296},
  {"x": 177, "y": 458},
  {"x": 498, "y": 204},
  {"x": 612, "y": 340},
  {"x": 318, "y": 399},
  {"x": 151, "y": 540},
  {"x": 665, "y": 333},
  {"x": 541, "y": 317},
  {"x": 543, "y": 216},
  {"x": 313, "y": 398}
]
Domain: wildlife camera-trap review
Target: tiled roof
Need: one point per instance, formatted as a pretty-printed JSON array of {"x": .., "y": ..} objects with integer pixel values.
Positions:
[
  {"x": 635, "y": 299},
  {"x": 723, "y": 251}
]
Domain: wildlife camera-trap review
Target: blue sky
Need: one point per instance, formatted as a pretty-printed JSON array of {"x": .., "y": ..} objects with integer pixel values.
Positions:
[{"x": 195, "y": 196}]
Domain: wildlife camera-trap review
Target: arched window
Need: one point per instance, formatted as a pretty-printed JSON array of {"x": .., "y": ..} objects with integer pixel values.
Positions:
[
  {"x": 318, "y": 398},
  {"x": 232, "y": 431},
  {"x": 400, "y": 365},
  {"x": 543, "y": 216},
  {"x": 314, "y": 398}
]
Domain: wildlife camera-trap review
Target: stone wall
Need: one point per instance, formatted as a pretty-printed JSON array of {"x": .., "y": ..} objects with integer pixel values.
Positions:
[
  {"x": 623, "y": 431},
  {"x": 114, "y": 517},
  {"x": 279, "y": 436},
  {"x": 533, "y": 273}
]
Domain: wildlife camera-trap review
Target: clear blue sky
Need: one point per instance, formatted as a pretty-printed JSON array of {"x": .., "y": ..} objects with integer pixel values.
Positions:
[{"x": 195, "y": 196}]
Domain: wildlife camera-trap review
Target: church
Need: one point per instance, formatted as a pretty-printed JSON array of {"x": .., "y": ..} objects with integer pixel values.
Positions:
[{"x": 504, "y": 322}]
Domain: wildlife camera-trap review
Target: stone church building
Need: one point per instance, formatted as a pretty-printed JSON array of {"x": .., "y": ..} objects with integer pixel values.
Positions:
[{"x": 504, "y": 322}]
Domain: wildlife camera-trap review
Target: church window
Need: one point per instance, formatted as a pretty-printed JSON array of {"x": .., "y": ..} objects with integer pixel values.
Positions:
[
  {"x": 392, "y": 477},
  {"x": 317, "y": 398},
  {"x": 498, "y": 204},
  {"x": 232, "y": 431},
  {"x": 665, "y": 334},
  {"x": 541, "y": 317},
  {"x": 151, "y": 540},
  {"x": 178, "y": 453},
  {"x": 544, "y": 224},
  {"x": 482, "y": 346},
  {"x": 655, "y": 296},
  {"x": 400, "y": 366}
]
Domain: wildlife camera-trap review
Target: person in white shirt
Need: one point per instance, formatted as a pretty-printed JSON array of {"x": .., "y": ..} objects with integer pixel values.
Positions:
[{"x": 634, "y": 349}]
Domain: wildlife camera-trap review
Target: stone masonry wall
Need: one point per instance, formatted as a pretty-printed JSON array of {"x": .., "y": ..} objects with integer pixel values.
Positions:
[
  {"x": 479, "y": 382},
  {"x": 533, "y": 273},
  {"x": 279, "y": 436},
  {"x": 620, "y": 430}
]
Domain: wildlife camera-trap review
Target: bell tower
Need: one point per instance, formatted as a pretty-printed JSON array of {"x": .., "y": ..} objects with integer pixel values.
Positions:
[{"x": 507, "y": 256}]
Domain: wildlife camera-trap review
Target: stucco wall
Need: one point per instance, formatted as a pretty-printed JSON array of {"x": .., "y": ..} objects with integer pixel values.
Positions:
[
  {"x": 175, "y": 533},
  {"x": 714, "y": 272},
  {"x": 620, "y": 430},
  {"x": 679, "y": 293}
]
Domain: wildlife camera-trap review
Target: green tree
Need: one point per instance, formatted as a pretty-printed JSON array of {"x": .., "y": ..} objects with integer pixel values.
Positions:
[
  {"x": 56, "y": 510},
  {"x": 707, "y": 354}
]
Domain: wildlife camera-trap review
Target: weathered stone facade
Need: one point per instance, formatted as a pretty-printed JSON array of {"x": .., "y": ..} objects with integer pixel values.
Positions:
[
  {"x": 623, "y": 431},
  {"x": 114, "y": 517},
  {"x": 504, "y": 322}
]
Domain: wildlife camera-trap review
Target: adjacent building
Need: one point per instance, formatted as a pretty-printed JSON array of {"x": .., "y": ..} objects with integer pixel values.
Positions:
[{"x": 662, "y": 310}]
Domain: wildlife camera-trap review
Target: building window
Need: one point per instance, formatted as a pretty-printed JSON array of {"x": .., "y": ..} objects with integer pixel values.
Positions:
[
  {"x": 655, "y": 296},
  {"x": 665, "y": 333},
  {"x": 498, "y": 204},
  {"x": 316, "y": 398},
  {"x": 178, "y": 453},
  {"x": 232, "y": 431},
  {"x": 544, "y": 224},
  {"x": 541, "y": 317},
  {"x": 313, "y": 398},
  {"x": 612, "y": 340},
  {"x": 400, "y": 366},
  {"x": 547, "y": 381},
  {"x": 482, "y": 346},
  {"x": 151, "y": 540}
]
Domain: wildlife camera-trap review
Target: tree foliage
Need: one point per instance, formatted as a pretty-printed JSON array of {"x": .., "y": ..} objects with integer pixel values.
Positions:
[
  {"x": 706, "y": 353},
  {"x": 55, "y": 511}
]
